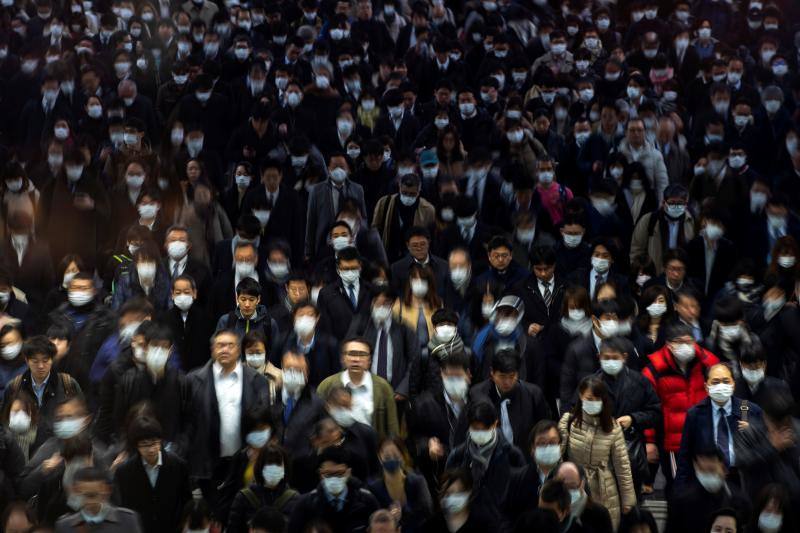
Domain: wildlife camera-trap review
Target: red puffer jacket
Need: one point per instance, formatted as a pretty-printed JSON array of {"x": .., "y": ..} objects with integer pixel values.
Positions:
[{"x": 678, "y": 392}]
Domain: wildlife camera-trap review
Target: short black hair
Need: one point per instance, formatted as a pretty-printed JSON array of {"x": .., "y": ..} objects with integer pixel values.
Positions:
[
  {"x": 555, "y": 491},
  {"x": 269, "y": 455},
  {"x": 335, "y": 454},
  {"x": 348, "y": 254},
  {"x": 91, "y": 474},
  {"x": 542, "y": 426},
  {"x": 483, "y": 412},
  {"x": 38, "y": 345},
  {"x": 543, "y": 255},
  {"x": 143, "y": 428},
  {"x": 248, "y": 287},
  {"x": 499, "y": 241},
  {"x": 269, "y": 519},
  {"x": 506, "y": 361},
  {"x": 605, "y": 307},
  {"x": 455, "y": 359}
]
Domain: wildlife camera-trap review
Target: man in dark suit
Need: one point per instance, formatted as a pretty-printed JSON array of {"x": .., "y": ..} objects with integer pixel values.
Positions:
[
  {"x": 27, "y": 260},
  {"x": 339, "y": 301},
  {"x": 433, "y": 72},
  {"x": 397, "y": 123},
  {"x": 418, "y": 243},
  {"x": 153, "y": 482},
  {"x": 542, "y": 294},
  {"x": 298, "y": 406},
  {"x": 190, "y": 323},
  {"x": 710, "y": 245},
  {"x": 715, "y": 423},
  {"x": 520, "y": 404},
  {"x": 246, "y": 265},
  {"x": 223, "y": 392},
  {"x": 438, "y": 422},
  {"x": 396, "y": 348},
  {"x": 248, "y": 229},
  {"x": 284, "y": 215},
  {"x": 326, "y": 199},
  {"x": 601, "y": 271},
  {"x": 482, "y": 187},
  {"x": 753, "y": 384},
  {"x": 321, "y": 350},
  {"x": 467, "y": 232},
  {"x": 178, "y": 262}
]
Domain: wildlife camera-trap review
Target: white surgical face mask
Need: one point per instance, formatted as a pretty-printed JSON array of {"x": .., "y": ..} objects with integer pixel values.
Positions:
[
  {"x": 753, "y": 376},
  {"x": 258, "y": 439},
  {"x": 455, "y": 387},
  {"x": 592, "y": 407},
  {"x": 183, "y": 301},
  {"x": 547, "y": 455},
  {"x": 609, "y": 328},
  {"x": 256, "y": 360},
  {"x": 656, "y": 310},
  {"x": 683, "y": 352},
  {"x": 612, "y": 367},
  {"x": 710, "y": 482},
  {"x": 720, "y": 392},
  {"x": 481, "y": 437}
]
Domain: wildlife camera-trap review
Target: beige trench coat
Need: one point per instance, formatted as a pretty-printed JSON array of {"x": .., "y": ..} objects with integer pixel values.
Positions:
[{"x": 604, "y": 456}]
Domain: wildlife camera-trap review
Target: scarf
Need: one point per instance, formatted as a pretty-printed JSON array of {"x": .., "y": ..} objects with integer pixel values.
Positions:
[
  {"x": 479, "y": 457},
  {"x": 577, "y": 327},
  {"x": 443, "y": 350}
]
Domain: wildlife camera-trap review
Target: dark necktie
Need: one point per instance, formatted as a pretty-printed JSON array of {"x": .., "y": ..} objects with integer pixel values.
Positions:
[
  {"x": 175, "y": 271},
  {"x": 598, "y": 279},
  {"x": 352, "y": 293},
  {"x": 723, "y": 439},
  {"x": 382, "y": 353},
  {"x": 548, "y": 294},
  {"x": 287, "y": 410}
]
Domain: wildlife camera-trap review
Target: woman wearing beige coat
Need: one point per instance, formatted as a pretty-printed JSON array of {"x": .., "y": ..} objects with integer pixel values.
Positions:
[{"x": 592, "y": 439}]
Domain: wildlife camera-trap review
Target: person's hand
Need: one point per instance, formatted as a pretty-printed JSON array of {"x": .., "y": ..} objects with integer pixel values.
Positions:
[
  {"x": 104, "y": 153},
  {"x": 48, "y": 465},
  {"x": 247, "y": 152},
  {"x": 652, "y": 452},
  {"x": 625, "y": 421},
  {"x": 396, "y": 511},
  {"x": 743, "y": 425},
  {"x": 119, "y": 459},
  {"x": 534, "y": 329},
  {"x": 399, "y": 397},
  {"x": 283, "y": 129},
  {"x": 83, "y": 202},
  {"x": 435, "y": 448},
  {"x": 626, "y": 509},
  {"x": 597, "y": 166}
]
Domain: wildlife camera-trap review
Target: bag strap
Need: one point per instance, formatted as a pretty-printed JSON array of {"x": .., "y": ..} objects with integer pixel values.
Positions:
[
  {"x": 251, "y": 498},
  {"x": 284, "y": 498},
  {"x": 744, "y": 408},
  {"x": 66, "y": 382}
]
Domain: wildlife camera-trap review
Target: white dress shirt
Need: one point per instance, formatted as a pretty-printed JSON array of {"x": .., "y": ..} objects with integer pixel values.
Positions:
[
  {"x": 363, "y": 403},
  {"x": 593, "y": 280},
  {"x": 181, "y": 265},
  {"x": 152, "y": 471},
  {"x": 229, "y": 400},
  {"x": 356, "y": 284},
  {"x": 674, "y": 226}
]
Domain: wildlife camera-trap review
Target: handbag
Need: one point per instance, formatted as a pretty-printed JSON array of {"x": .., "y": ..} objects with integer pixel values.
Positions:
[{"x": 637, "y": 453}]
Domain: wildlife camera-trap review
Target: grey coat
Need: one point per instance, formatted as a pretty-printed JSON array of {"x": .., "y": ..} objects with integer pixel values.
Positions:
[
  {"x": 118, "y": 520},
  {"x": 321, "y": 213}
]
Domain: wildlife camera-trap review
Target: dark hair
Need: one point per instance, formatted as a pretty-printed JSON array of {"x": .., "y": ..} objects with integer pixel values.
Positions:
[
  {"x": 506, "y": 361},
  {"x": 555, "y": 491},
  {"x": 677, "y": 329},
  {"x": 248, "y": 287},
  {"x": 269, "y": 519},
  {"x": 38, "y": 345},
  {"x": 258, "y": 416},
  {"x": 196, "y": 513},
  {"x": 499, "y": 241},
  {"x": 728, "y": 309},
  {"x": 751, "y": 353},
  {"x": 617, "y": 344},
  {"x": 725, "y": 511},
  {"x": 542, "y": 426},
  {"x": 143, "y": 428},
  {"x": 605, "y": 307},
  {"x": 638, "y": 517},
  {"x": 347, "y": 254},
  {"x": 304, "y": 304},
  {"x": 157, "y": 333},
  {"x": 456, "y": 475},
  {"x": 268, "y": 455},
  {"x": 254, "y": 336},
  {"x": 482, "y": 411},
  {"x": 598, "y": 388},
  {"x": 137, "y": 305},
  {"x": 455, "y": 359},
  {"x": 335, "y": 454},
  {"x": 90, "y": 474}
]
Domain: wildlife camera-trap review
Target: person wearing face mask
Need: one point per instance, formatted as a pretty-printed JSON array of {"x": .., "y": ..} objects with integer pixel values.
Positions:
[
  {"x": 39, "y": 114},
  {"x": 189, "y": 322},
  {"x": 521, "y": 404},
  {"x": 326, "y": 200},
  {"x": 396, "y": 347},
  {"x": 544, "y": 445},
  {"x": 669, "y": 227},
  {"x": 339, "y": 238},
  {"x": 773, "y": 511},
  {"x": 636, "y": 147},
  {"x": 209, "y": 110},
  {"x": 28, "y": 261},
  {"x": 601, "y": 271},
  {"x": 93, "y": 487},
  {"x": 400, "y": 485},
  {"x": 707, "y": 490},
  {"x": 783, "y": 263},
  {"x": 307, "y": 338},
  {"x": 715, "y": 422},
  {"x": 489, "y": 457},
  {"x": 340, "y": 499},
  {"x": 711, "y": 255},
  {"x": 438, "y": 420},
  {"x": 340, "y": 301},
  {"x": 475, "y": 125},
  {"x": 72, "y": 211},
  {"x": 753, "y": 384},
  {"x": 154, "y": 481},
  {"x": 157, "y": 378},
  {"x": 593, "y": 439},
  {"x": 469, "y": 232},
  {"x": 396, "y": 214},
  {"x": 580, "y": 359},
  {"x": 269, "y": 488},
  {"x": 730, "y": 334},
  {"x": 676, "y": 372},
  {"x": 396, "y": 123},
  {"x": 146, "y": 278},
  {"x": 636, "y": 407}
]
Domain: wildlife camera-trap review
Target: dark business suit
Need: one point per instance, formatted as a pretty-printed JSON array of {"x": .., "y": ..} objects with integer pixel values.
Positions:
[
  {"x": 337, "y": 311},
  {"x": 34, "y": 276},
  {"x": 451, "y": 238},
  {"x": 536, "y": 312},
  {"x": 204, "y": 455},
  {"x": 321, "y": 213},
  {"x": 222, "y": 261},
  {"x": 405, "y": 352},
  {"x": 526, "y": 407},
  {"x": 160, "y": 507},
  {"x": 404, "y": 136},
  {"x": 698, "y": 433},
  {"x": 724, "y": 260},
  {"x": 191, "y": 337},
  {"x": 295, "y": 431},
  {"x": 581, "y": 277},
  {"x": 323, "y": 357},
  {"x": 285, "y": 219},
  {"x": 401, "y": 267}
]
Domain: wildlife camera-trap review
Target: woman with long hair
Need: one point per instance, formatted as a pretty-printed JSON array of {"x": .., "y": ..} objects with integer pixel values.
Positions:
[{"x": 418, "y": 303}]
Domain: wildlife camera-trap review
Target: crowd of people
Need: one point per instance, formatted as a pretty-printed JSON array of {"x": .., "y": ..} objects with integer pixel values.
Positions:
[{"x": 321, "y": 266}]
